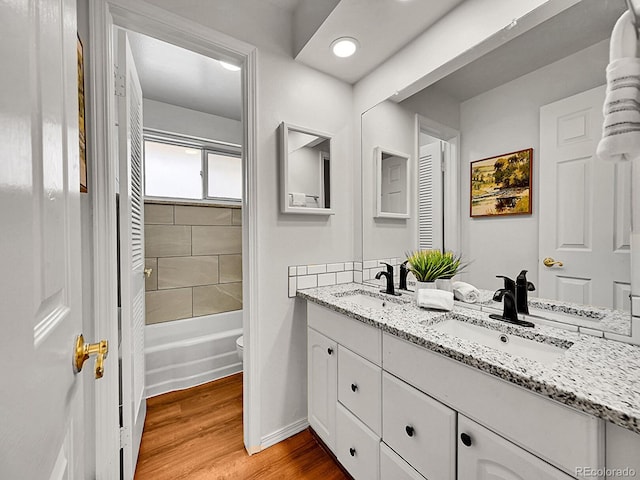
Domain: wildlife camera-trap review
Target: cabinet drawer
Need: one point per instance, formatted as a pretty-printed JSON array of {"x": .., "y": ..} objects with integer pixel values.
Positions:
[
  {"x": 561, "y": 435},
  {"x": 359, "y": 388},
  {"x": 419, "y": 428},
  {"x": 487, "y": 455},
  {"x": 393, "y": 467},
  {"x": 358, "y": 448},
  {"x": 358, "y": 337}
]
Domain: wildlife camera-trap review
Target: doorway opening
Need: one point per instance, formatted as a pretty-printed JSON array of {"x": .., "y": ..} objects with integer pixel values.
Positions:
[
  {"x": 108, "y": 18},
  {"x": 180, "y": 217}
]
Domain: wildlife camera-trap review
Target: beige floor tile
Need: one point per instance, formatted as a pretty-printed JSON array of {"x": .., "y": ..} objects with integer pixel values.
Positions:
[
  {"x": 175, "y": 272},
  {"x": 230, "y": 268},
  {"x": 217, "y": 240},
  {"x": 167, "y": 240},
  {"x": 167, "y": 305},
  {"x": 237, "y": 216},
  {"x": 187, "y": 215},
  {"x": 217, "y": 298},
  {"x": 151, "y": 282},
  {"x": 158, "y": 214}
]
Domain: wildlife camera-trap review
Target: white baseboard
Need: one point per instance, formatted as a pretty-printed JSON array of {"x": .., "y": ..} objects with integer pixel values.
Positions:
[
  {"x": 283, "y": 433},
  {"x": 191, "y": 352}
]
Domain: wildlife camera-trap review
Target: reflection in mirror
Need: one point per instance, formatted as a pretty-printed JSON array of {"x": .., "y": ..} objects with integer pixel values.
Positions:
[
  {"x": 305, "y": 163},
  {"x": 522, "y": 94},
  {"x": 392, "y": 169}
]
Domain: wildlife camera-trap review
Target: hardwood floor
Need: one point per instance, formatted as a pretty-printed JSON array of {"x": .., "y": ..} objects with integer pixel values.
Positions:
[{"x": 197, "y": 434}]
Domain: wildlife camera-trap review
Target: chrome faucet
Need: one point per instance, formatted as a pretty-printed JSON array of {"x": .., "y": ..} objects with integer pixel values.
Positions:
[{"x": 390, "y": 290}]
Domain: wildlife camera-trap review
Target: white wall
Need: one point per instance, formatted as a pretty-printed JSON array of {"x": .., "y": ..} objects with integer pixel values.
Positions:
[
  {"x": 391, "y": 127},
  {"x": 296, "y": 94},
  {"x": 174, "y": 119},
  {"x": 503, "y": 120},
  {"x": 305, "y": 174}
]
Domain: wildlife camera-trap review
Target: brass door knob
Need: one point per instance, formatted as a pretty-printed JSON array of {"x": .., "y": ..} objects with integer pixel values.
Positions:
[
  {"x": 148, "y": 272},
  {"x": 550, "y": 262},
  {"x": 84, "y": 350}
]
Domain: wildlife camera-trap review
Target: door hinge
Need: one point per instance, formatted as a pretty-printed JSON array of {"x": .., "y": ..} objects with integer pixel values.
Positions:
[
  {"x": 443, "y": 164},
  {"x": 125, "y": 438},
  {"x": 119, "y": 84}
]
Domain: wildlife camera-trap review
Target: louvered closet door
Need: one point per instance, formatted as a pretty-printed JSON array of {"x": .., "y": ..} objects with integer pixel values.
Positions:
[
  {"x": 131, "y": 243},
  {"x": 430, "y": 205}
]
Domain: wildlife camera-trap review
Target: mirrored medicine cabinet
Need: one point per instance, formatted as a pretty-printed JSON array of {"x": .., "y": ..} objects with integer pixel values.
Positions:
[{"x": 305, "y": 171}]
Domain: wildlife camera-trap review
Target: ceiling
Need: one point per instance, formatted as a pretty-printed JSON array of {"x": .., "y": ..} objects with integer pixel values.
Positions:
[
  {"x": 572, "y": 30},
  {"x": 382, "y": 27},
  {"x": 186, "y": 79}
]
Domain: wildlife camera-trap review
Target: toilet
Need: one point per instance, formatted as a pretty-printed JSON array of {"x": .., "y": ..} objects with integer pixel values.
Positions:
[{"x": 240, "y": 346}]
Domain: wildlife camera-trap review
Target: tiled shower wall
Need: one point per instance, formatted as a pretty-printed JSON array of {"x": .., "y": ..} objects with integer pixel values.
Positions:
[{"x": 196, "y": 256}]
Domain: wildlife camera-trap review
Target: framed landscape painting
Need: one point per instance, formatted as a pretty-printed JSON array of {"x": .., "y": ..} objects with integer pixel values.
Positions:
[{"x": 502, "y": 185}]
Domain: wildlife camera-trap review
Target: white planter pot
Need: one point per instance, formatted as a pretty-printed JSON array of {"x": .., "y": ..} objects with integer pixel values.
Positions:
[
  {"x": 422, "y": 285},
  {"x": 444, "y": 284}
]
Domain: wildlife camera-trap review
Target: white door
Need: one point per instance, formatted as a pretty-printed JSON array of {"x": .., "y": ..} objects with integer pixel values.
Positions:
[
  {"x": 585, "y": 207},
  {"x": 41, "y": 405},
  {"x": 430, "y": 202},
  {"x": 484, "y": 455},
  {"x": 323, "y": 385},
  {"x": 394, "y": 184},
  {"x": 131, "y": 248}
]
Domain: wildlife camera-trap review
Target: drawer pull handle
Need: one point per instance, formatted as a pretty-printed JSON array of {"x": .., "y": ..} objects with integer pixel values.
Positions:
[
  {"x": 352, "y": 451},
  {"x": 354, "y": 387},
  {"x": 410, "y": 430},
  {"x": 330, "y": 351},
  {"x": 466, "y": 439}
]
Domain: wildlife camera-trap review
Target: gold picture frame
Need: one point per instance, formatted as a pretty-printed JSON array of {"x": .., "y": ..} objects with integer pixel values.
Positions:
[
  {"x": 501, "y": 185},
  {"x": 81, "y": 122}
]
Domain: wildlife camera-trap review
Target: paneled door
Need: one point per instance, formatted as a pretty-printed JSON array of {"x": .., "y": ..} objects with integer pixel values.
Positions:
[
  {"x": 585, "y": 207},
  {"x": 42, "y": 429},
  {"x": 131, "y": 248}
]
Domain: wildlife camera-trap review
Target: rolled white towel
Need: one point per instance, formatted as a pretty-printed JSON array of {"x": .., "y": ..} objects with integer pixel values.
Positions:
[
  {"x": 436, "y": 299},
  {"x": 465, "y": 292},
  {"x": 298, "y": 199},
  {"x": 621, "y": 128}
]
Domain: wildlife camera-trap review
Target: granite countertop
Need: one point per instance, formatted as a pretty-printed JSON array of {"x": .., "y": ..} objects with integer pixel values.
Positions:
[
  {"x": 597, "y": 376},
  {"x": 605, "y": 319}
]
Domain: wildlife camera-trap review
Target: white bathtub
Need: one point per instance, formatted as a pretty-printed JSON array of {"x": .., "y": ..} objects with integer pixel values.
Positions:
[{"x": 190, "y": 352}]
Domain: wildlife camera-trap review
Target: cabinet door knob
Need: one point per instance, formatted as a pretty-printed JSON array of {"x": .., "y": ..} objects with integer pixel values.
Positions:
[
  {"x": 330, "y": 351},
  {"x": 354, "y": 387},
  {"x": 352, "y": 451},
  {"x": 409, "y": 429},
  {"x": 466, "y": 439}
]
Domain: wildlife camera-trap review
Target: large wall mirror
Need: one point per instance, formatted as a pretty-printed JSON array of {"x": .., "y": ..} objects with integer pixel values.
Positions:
[
  {"x": 544, "y": 91},
  {"x": 305, "y": 166}
]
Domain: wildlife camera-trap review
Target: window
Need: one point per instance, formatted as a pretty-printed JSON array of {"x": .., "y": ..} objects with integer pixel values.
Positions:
[{"x": 192, "y": 171}]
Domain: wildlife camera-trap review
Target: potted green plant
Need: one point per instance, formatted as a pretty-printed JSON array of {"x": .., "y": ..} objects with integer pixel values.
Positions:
[
  {"x": 452, "y": 264},
  {"x": 429, "y": 266}
]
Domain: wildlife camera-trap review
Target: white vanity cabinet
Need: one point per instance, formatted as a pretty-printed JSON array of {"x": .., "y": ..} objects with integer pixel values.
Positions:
[
  {"x": 322, "y": 365},
  {"x": 483, "y": 454},
  {"x": 392, "y": 410}
]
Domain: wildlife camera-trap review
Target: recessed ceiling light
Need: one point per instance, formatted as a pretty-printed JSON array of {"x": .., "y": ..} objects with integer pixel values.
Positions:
[
  {"x": 191, "y": 151},
  {"x": 344, "y": 47},
  {"x": 229, "y": 66}
]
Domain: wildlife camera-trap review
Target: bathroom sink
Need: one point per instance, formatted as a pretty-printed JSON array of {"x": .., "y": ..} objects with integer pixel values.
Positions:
[
  {"x": 367, "y": 300},
  {"x": 508, "y": 343}
]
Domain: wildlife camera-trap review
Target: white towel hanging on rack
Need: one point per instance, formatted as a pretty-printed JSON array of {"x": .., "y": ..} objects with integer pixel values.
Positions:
[{"x": 621, "y": 128}]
